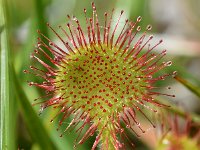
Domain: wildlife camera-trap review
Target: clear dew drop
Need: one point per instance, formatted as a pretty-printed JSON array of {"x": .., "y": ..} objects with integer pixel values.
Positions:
[
  {"x": 120, "y": 145},
  {"x": 174, "y": 74},
  {"x": 48, "y": 74},
  {"x": 41, "y": 109},
  {"x": 169, "y": 63},
  {"x": 164, "y": 51},
  {"x": 139, "y": 18},
  {"x": 162, "y": 77},
  {"x": 149, "y": 27},
  {"x": 149, "y": 77},
  {"x": 138, "y": 28},
  {"x": 25, "y": 71},
  {"x": 56, "y": 59},
  {"x": 168, "y": 87},
  {"x": 31, "y": 83},
  {"x": 51, "y": 43},
  {"x": 39, "y": 44},
  {"x": 137, "y": 123},
  {"x": 151, "y": 36},
  {"x": 44, "y": 82},
  {"x": 31, "y": 56}
]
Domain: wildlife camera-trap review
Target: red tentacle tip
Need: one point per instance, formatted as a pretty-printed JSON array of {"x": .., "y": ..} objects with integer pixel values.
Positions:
[
  {"x": 139, "y": 19},
  {"x": 38, "y": 31}
]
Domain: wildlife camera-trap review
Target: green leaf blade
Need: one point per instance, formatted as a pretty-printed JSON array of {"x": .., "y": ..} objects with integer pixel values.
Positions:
[
  {"x": 194, "y": 89},
  {"x": 4, "y": 98}
]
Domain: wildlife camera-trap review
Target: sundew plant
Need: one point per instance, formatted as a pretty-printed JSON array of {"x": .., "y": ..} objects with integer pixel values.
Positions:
[{"x": 99, "y": 77}]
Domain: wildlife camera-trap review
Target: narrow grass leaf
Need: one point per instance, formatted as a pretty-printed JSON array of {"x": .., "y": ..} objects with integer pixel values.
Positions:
[
  {"x": 4, "y": 91},
  {"x": 194, "y": 89}
]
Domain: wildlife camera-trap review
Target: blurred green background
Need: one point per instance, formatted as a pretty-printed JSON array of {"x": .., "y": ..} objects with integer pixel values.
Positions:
[{"x": 175, "y": 21}]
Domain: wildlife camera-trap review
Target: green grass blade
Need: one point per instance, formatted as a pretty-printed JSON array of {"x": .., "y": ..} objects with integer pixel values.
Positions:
[
  {"x": 182, "y": 113},
  {"x": 35, "y": 126},
  {"x": 4, "y": 95},
  {"x": 179, "y": 111},
  {"x": 4, "y": 141},
  {"x": 194, "y": 89},
  {"x": 183, "y": 73},
  {"x": 4, "y": 98}
]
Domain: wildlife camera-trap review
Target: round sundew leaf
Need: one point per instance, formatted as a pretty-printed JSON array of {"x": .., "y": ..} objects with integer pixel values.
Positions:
[{"x": 99, "y": 78}]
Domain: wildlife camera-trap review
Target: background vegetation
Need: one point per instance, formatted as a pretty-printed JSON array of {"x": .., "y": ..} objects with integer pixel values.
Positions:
[{"x": 175, "y": 21}]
